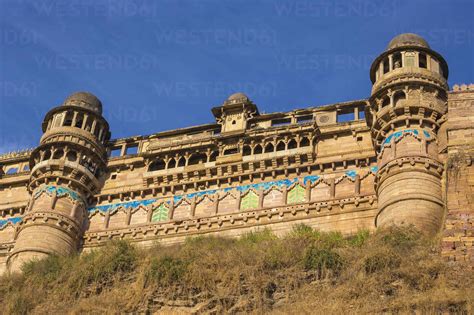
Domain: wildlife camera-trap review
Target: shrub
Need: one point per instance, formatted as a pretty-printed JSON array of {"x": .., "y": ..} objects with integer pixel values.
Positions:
[
  {"x": 167, "y": 270},
  {"x": 380, "y": 261},
  {"x": 100, "y": 267},
  {"x": 322, "y": 260},
  {"x": 359, "y": 239},
  {"x": 258, "y": 236},
  {"x": 44, "y": 270}
]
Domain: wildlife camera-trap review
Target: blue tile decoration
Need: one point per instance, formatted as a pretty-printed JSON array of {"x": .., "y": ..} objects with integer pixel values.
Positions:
[
  {"x": 352, "y": 174},
  {"x": 399, "y": 134},
  {"x": 311, "y": 179},
  {"x": 125, "y": 205},
  {"x": 12, "y": 221},
  {"x": 60, "y": 192},
  {"x": 374, "y": 169}
]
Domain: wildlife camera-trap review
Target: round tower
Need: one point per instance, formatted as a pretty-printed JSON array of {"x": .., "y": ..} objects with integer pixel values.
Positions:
[
  {"x": 66, "y": 171},
  {"x": 407, "y": 106}
]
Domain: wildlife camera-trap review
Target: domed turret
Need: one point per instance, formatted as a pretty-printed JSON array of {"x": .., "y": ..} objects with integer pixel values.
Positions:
[
  {"x": 407, "y": 40},
  {"x": 84, "y": 100},
  {"x": 407, "y": 107},
  {"x": 237, "y": 97},
  {"x": 66, "y": 171},
  {"x": 235, "y": 112}
]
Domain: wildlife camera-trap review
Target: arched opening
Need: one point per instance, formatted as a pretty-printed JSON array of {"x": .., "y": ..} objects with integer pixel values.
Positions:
[
  {"x": 281, "y": 146},
  {"x": 71, "y": 156},
  {"x": 58, "y": 154},
  {"x": 269, "y": 148},
  {"x": 397, "y": 60},
  {"x": 398, "y": 97},
  {"x": 292, "y": 144},
  {"x": 304, "y": 142},
  {"x": 47, "y": 155},
  {"x": 181, "y": 162},
  {"x": 171, "y": 163},
  {"x": 197, "y": 158},
  {"x": 385, "y": 101},
  {"x": 422, "y": 60},
  {"x": 246, "y": 150},
  {"x": 213, "y": 156},
  {"x": 258, "y": 149},
  {"x": 157, "y": 165}
]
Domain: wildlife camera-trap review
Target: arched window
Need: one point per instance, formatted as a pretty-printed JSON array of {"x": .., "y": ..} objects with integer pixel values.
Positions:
[
  {"x": 269, "y": 147},
  {"x": 281, "y": 146},
  {"x": 304, "y": 142},
  {"x": 385, "y": 101},
  {"x": 71, "y": 156},
  {"x": 171, "y": 163},
  {"x": 181, "y": 161},
  {"x": 58, "y": 154},
  {"x": 399, "y": 96},
  {"x": 197, "y": 158},
  {"x": 246, "y": 150},
  {"x": 213, "y": 156},
  {"x": 257, "y": 149},
  {"x": 292, "y": 144},
  {"x": 156, "y": 165},
  {"x": 47, "y": 155}
]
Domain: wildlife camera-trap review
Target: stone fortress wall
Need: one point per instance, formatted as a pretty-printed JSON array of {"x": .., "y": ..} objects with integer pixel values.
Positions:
[{"x": 383, "y": 161}]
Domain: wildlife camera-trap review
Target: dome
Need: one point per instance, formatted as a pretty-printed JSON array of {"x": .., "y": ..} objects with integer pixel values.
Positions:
[
  {"x": 407, "y": 39},
  {"x": 85, "y": 100},
  {"x": 238, "y": 97}
]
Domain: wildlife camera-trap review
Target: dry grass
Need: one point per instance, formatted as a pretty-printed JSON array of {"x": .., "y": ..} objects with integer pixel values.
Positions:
[{"x": 396, "y": 271}]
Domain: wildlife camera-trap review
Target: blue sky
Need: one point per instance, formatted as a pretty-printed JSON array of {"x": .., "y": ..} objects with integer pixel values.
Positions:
[{"x": 159, "y": 65}]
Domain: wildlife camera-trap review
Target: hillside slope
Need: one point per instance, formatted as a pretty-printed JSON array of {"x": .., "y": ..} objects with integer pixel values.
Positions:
[{"x": 396, "y": 271}]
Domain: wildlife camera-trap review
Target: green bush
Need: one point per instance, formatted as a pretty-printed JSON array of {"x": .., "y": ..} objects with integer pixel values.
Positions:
[
  {"x": 258, "y": 236},
  {"x": 322, "y": 260},
  {"x": 359, "y": 239}
]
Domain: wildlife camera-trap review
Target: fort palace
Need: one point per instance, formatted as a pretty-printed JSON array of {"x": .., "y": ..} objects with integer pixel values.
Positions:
[{"x": 403, "y": 156}]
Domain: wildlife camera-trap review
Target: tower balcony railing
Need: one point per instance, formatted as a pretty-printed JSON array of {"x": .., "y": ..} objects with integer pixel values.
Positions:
[{"x": 411, "y": 72}]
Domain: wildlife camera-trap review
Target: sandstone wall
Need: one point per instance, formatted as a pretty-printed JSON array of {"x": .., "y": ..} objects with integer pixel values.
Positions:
[{"x": 458, "y": 240}]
